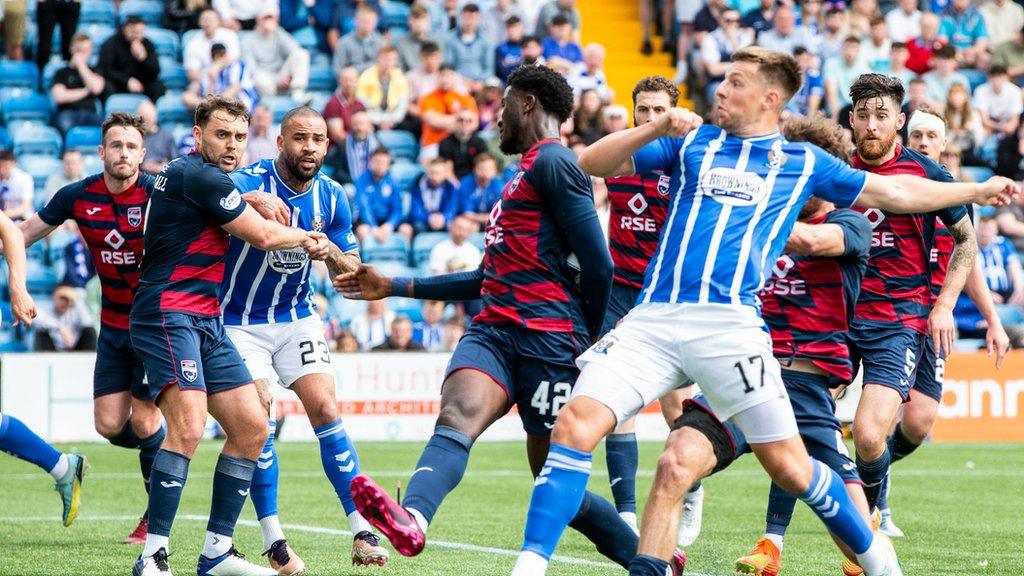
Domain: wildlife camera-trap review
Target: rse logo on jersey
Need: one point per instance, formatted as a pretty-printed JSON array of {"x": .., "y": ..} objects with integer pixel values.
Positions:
[
  {"x": 287, "y": 261},
  {"x": 231, "y": 201},
  {"x": 494, "y": 233},
  {"x": 880, "y": 238},
  {"x": 189, "y": 371},
  {"x": 933, "y": 257},
  {"x": 732, "y": 187},
  {"x": 779, "y": 284},
  {"x": 134, "y": 216},
  {"x": 638, "y": 223}
]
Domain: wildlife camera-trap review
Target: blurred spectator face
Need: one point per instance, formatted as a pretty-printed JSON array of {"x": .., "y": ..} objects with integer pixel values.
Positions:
[
  {"x": 531, "y": 51},
  {"x": 998, "y": 81},
  {"x": 465, "y": 124},
  {"x": 944, "y": 66},
  {"x": 615, "y": 119},
  {"x": 376, "y": 308},
  {"x": 63, "y": 299},
  {"x": 875, "y": 123},
  {"x": 850, "y": 51},
  {"x": 419, "y": 25},
  {"x": 453, "y": 332},
  {"x": 950, "y": 158},
  {"x": 386, "y": 62},
  {"x": 209, "y": 21},
  {"x": 767, "y": 5},
  {"x": 460, "y": 230},
  {"x": 430, "y": 61},
  {"x": 918, "y": 93},
  {"x": 73, "y": 163},
  {"x": 561, "y": 32},
  {"x": 436, "y": 173},
  {"x": 267, "y": 24},
  {"x": 261, "y": 118},
  {"x": 650, "y": 106},
  {"x": 348, "y": 78},
  {"x": 446, "y": 80},
  {"x": 784, "y": 21},
  {"x": 929, "y": 26},
  {"x": 879, "y": 32},
  {"x": 805, "y": 60},
  {"x": 366, "y": 22},
  {"x": 908, "y": 6},
  {"x": 988, "y": 229},
  {"x": 379, "y": 165},
  {"x": 134, "y": 32},
  {"x": 593, "y": 56},
  {"x": 961, "y": 5},
  {"x": 469, "y": 21},
  {"x": 433, "y": 311},
  {"x": 361, "y": 125},
  {"x": 82, "y": 48},
  {"x": 147, "y": 111},
  {"x": 5, "y": 168},
  {"x": 835, "y": 21},
  {"x": 401, "y": 332},
  {"x": 122, "y": 152},
  {"x": 303, "y": 145},
  {"x": 485, "y": 170},
  {"x": 730, "y": 21},
  {"x": 899, "y": 56},
  {"x": 514, "y": 31},
  {"x": 864, "y": 7},
  {"x": 810, "y": 10},
  {"x": 347, "y": 342},
  {"x": 590, "y": 102}
]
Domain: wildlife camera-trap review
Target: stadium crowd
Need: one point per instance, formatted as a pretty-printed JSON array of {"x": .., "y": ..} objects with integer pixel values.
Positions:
[{"x": 411, "y": 94}]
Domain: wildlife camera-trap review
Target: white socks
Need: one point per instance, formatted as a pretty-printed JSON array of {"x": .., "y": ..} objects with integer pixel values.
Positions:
[
  {"x": 419, "y": 519},
  {"x": 876, "y": 559},
  {"x": 530, "y": 564},
  {"x": 271, "y": 527},
  {"x": 216, "y": 544},
  {"x": 357, "y": 524},
  {"x": 154, "y": 543},
  {"x": 60, "y": 468},
  {"x": 775, "y": 539},
  {"x": 630, "y": 519}
]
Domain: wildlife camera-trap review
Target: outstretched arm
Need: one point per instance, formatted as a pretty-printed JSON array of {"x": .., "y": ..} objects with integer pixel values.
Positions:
[
  {"x": 904, "y": 194},
  {"x": 14, "y": 250},
  {"x": 367, "y": 283},
  {"x": 817, "y": 240},
  {"x": 965, "y": 253},
  {"x": 613, "y": 155},
  {"x": 339, "y": 262}
]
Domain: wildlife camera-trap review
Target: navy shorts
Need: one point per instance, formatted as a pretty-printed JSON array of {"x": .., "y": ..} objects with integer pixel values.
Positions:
[
  {"x": 622, "y": 300},
  {"x": 889, "y": 354},
  {"x": 930, "y": 373},
  {"x": 118, "y": 367},
  {"x": 536, "y": 369},
  {"x": 192, "y": 352},
  {"x": 814, "y": 409}
]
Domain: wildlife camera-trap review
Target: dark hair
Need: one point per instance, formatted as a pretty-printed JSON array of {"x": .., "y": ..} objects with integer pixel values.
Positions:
[
  {"x": 381, "y": 151},
  {"x": 833, "y": 11},
  {"x": 559, "y": 20},
  {"x": 7, "y": 155},
  {"x": 130, "y": 20},
  {"x": 876, "y": 20},
  {"x": 823, "y": 133},
  {"x": 916, "y": 80},
  {"x": 447, "y": 66},
  {"x": 212, "y": 103},
  {"x": 799, "y": 51},
  {"x": 483, "y": 157},
  {"x": 429, "y": 48},
  {"x": 656, "y": 84},
  {"x": 852, "y": 39},
  {"x": 418, "y": 11},
  {"x": 125, "y": 120},
  {"x": 513, "y": 20},
  {"x": 777, "y": 68},
  {"x": 470, "y": 8},
  {"x": 877, "y": 86},
  {"x": 530, "y": 40},
  {"x": 897, "y": 46},
  {"x": 547, "y": 86},
  {"x": 946, "y": 51},
  {"x": 217, "y": 50},
  {"x": 997, "y": 70}
]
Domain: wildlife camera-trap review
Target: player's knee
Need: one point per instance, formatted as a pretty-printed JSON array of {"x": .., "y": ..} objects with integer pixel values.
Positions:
[
  {"x": 673, "y": 474},
  {"x": 916, "y": 426},
  {"x": 793, "y": 477},
  {"x": 323, "y": 411},
  {"x": 184, "y": 434},
  {"x": 110, "y": 425},
  {"x": 145, "y": 423},
  {"x": 574, "y": 429},
  {"x": 870, "y": 441}
]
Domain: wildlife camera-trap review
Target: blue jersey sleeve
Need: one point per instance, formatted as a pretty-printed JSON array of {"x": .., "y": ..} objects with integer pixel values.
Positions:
[
  {"x": 214, "y": 195},
  {"x": 249, "y": 179},
  {"x": 657, "y": 156},
  {"x": 339, "y": 230},
  {"x": 834, "y": 180},
  {"x": 61, "y": 207},
  {"x": 856, "y": 232}
]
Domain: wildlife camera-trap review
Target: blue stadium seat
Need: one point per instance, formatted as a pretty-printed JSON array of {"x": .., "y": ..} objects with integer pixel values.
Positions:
[
  {"x": 5, "y": 138},
  {"x": 405, "y": 173},
  {"x": 407, "y": 307},
  {"x": 39, "y": 167},
  {"x": 97, "y": 12},
  {"x": 173, "y": 75},
  {"x": 306, "y": 37},
  {"x": 91, "y": 163},
  {"x": 345, "y": 310},
  {"x": 977, "y": 173},
  {"x": 395, "y": 249},
  {"x": 9, "y": 92},
  {"x": 99, "y": 32},
  {"x": 38, "y": 139},
  {"x": 166, "y": 41},
  {"x": 395, "y": 14},
  {"x": 401, "y": 143},
  {"x": 29, "y": 107},
  {"x": 321, "y": 79},
  {"x": 151, "y": 11},
  {"x": 40, "y": 278},
  {"x": 19, "y": 73},
  {"x": 423, "y": 243},
  {"x": 187, "y": 35},
  {"x": 83, "y": 138},
  {"x": 279, "y": 106},
  {"x": 171, "y": 110},
  {"x": 50, "y": 70},
  {"x": 318, "y": 100},
  {"x": 123, "y": 103}
]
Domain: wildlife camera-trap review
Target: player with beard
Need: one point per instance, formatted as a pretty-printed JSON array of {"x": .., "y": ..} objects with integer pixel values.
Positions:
[
  {"x": 544, "y": 281},
  {"x": 895, "y": 312},
  {"x": 270, "y": 316}
]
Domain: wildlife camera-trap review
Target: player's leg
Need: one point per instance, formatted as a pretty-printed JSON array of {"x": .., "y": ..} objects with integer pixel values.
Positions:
[
  {"x": 692, "y": 516},
  {"x": 67, "y": 470},
  {"x": 622, "y": 458}
]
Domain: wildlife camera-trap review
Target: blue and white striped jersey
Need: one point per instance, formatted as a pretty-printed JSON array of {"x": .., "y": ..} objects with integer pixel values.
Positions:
[
  {"x": 733, "y": 207},
  {"x": 267, "y": 287}
]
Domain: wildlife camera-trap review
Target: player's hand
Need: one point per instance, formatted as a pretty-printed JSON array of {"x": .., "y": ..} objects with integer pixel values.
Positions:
[
  {"x": 997, "y": 191},
  {"x": 316, "y": 245},
  {"x": 941, "y": 328},
  {"x": 366, "y": 283},
  {"x": 23, "y": 307},
  {"x": 997, "y": 341},
  {"x": 270, "y": 206},
  {"x": 677, "y": 122}
]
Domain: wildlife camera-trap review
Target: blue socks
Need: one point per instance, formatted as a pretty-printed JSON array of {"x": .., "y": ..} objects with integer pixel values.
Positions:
[
  {"x": 873, "y": 475},
  {"x": 166, "y": 483},
  {"x": 648, "y": 566},
  {"x": 265, "y": 477},
  {"x": 900, "y": 446},
  {"x": 338, "y": 456},
  {"x": 780, "y": 510},
  {"x": 622, "y": 458},
  {"x": 557, "y": 495},
  {"x": 828, "y": 499},
  {"x": 231, "y": 481},
  {"x": 598, "y": 520},
  {"x": 438, "y": 471},
  {"x": 148, "y": 447},
  {"x": 17, "y": 440}
]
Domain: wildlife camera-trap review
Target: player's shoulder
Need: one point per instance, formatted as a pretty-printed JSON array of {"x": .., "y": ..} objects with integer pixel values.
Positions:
[
  {"x": 250, "y": 177},
  {"x": 932, "y": 169},
  {"x": 145, "y": 181},
  {"x": 330, "y": 185},
  {"x": 74, "y": 190}
]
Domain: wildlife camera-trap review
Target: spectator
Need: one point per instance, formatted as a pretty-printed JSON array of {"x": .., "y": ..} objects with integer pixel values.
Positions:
[
  {"x": 832, "y": 35},
  {"x": 1004, "y": 276},
  {"x": 182, "y": 15},
  {"x": 435, "y": 199},
  {"x": 784, "y": 35},
  {"x": 454, "y": 330},
  {"x": 467, "y": 50},
  {"x": 718, "y": 47},
  {"x": 509, "y": 55},
  {"x": 862, "y": 12},
  {"x": 361, "y": 46},
  {"x": 1010, "y": 219},
  {"x": 548, "y": 12},
  {"x": 877, "y": 51},
  {"x": 12, "y": 28},
  {"x": 533, "y": 52},
  {"x": 72, "y": 170},
  {"x": 807, "y": 101},
  {"x": 840, "y": 73},
  {"x": 66, "y": 326},
  {"x": 709, "y": 19},
  {"x": 917, "y": 97},
  {"x": 400, "y": 338},
  {"x": 455, "y": 252},
  {"x": 279, "y": 65},
  {"x": 614, "y": 118},
  {"x": 353, "y": 158},
  {"x": 963, "y": 27},
  {"x": 159, "y": 141},
  {"x": 224, "y": 77},
  {"x": 589, "y": 75},
  {"x": 493, "y": 21},
  {"x": 379, "y": 201},
  {"x": 346, "y": 342},
  {"x": 16, "y": 188},
  {"x": 411, "y": 45},
  {"x": 332, "y": 328},
  {"x": 898, "y": 56},
  {"x": 51, "y": 12},
  {"x": 810, "y": 16},
  {"x": 586, "y": 120},
  {"x": 943, "y": 76},
  {"x": 922, "y": 47},
  {"x": 904, "y": 22},
  {"x": 371, "y": 327},
  {"x": 129, "y": 62},
  {"x": 262, "y": 135},
  {"x": 479, "y": 191},
  {"x": 429, "y": 332},
  {"x": 760, "y": 19},
  {"x": 1010, "y": 55},
  {"x": 341, "y": 105},
  {"x": 999, "y": 105},
  {"x": 383, "y": 89},
  {"x": 1003, "y": 19},
  {"x": 196, "y": 53},
  {"x": 963, "y": 123},
  {"x": 463, "y": 145},
  {"x": 952, "y": 158},
  {"x": 444, "y": 15},
  {"x": 423, "y": 78},
  {"x": 238, "y": 14},
  {"x": 77, "y": 88},
  {"x": 488, "y": 103},
  {"x": 439, "y": 108},
  {"x": 560, "y": 51},
  {"x": 78, "y": 268}
]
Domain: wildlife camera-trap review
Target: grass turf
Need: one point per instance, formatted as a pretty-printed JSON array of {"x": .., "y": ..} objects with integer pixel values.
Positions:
[{"x": 960, "y": 505}]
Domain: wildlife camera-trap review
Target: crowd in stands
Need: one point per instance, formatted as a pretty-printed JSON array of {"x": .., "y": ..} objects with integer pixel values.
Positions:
[{"x": 411, "y": 92}]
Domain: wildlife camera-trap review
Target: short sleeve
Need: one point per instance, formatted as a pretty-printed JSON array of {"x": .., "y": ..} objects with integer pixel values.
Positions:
[
  {"x": 949, "y": 216},
  {"x": 339, "y": 231},
  {"x": 246, "y": 180},
  {"x": 657, "y": 156},
  {"x": 835, "y": 180},
  {"x": 214, "y": 195},
  {"x": 561, "y": 184},
  {"x": 856, "y": 232},
  {"x": 61, "y": 206}
]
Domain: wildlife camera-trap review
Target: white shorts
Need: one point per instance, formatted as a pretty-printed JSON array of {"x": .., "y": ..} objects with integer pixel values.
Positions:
[
  {"x": 289, "y": 349},
  {"x": 659, "y": 347}
]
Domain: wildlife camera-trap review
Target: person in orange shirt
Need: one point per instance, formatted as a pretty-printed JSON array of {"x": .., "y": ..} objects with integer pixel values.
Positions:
[{"x": 439, "y": 108}]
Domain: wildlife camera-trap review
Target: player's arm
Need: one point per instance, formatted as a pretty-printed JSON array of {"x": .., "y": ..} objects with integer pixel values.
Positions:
[
  {"x": 14, "y": 250},
  {"x": 996, "y": 339},
  {"x": 903, "y": 193},
  {"x": 269, "y": 235},
  {"x": 964, "y": 255},
  {"x": 816, "y": 240},
  {"x": 270, "y": 206},
  {"x": 613, "y": 155},
  {"x": 367, "y": 283},
  {"x": 53, "y": 214}
]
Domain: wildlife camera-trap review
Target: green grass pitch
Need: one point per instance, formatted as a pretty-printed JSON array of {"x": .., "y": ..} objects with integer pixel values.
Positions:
[{"x": 962, "y": 507}]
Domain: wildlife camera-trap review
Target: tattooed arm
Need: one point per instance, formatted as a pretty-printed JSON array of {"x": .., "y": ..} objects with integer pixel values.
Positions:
[
  {"x": 965, "y": 254},
  {"x": 339, "y": 262}
]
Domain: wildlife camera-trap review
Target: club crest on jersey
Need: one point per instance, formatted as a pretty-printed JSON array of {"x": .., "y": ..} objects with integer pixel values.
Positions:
[
  {"x": 732, "y": 187},
  {"x": 189, "y": 371},
  {"x": 776, "y": 158},
  {"x": 514, "y": 183},
  {"x": 663, "y": 183},
  {"x": 231, "y": 201},
  {"x": 604, "y": 344},
  {"x": 318, "y": 224},
  {"x": 134, "y": 216}
]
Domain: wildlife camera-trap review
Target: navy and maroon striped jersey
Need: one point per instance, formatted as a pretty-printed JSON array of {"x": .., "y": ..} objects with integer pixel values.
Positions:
[
  {"x": 942, "y": 249},
  {"x": 639, "y": 205},
  {"x": 528, "y": 280},
  {"x": 897, "y": 285},
  {"x": 185, "y": 244},
  {"x": 808, "y": 302},
  {"x": 111, "y": 225}
]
